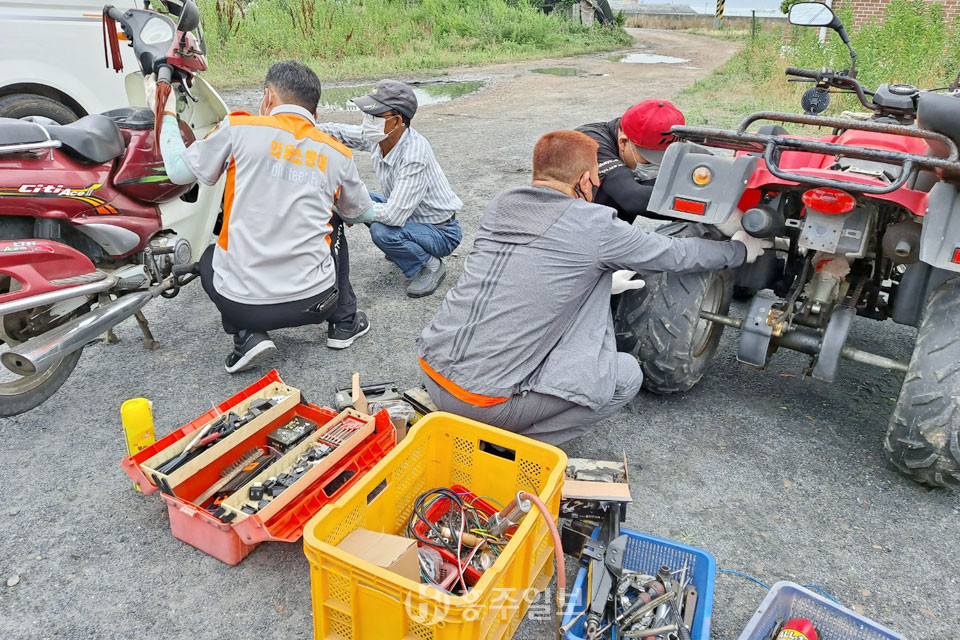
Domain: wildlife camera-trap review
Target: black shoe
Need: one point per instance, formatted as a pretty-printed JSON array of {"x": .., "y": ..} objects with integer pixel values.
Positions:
[
  {"x": 341, "y": 336},
  {"x": 249, "y": 349}
]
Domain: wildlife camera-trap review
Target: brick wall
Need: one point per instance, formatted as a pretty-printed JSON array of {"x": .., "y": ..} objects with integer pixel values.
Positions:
[{"x": 872, "y": 10}]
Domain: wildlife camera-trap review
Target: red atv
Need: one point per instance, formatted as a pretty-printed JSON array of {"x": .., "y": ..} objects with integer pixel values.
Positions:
[
  {"x": 865, "y": 221},
  {"x": 91, "y": 229}
]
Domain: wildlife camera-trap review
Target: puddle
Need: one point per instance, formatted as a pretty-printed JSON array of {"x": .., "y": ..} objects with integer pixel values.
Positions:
[
  {"x": 428, "y": 93},
  {"x": 558, "y": 71},
  {"x": 646, "y": 58}
]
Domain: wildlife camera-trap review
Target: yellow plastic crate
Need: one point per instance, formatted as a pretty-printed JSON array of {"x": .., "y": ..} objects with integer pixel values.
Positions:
[{"x": 356, "y": 600}]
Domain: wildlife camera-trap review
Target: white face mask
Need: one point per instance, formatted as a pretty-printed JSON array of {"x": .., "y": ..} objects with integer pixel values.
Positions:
[
  {"x": 373, "y": 128},
  {"x": 643, "y": 172}
]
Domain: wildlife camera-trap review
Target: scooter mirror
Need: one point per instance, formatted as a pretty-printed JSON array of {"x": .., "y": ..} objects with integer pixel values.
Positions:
[
  {"x": 189, "y": 17},
  {"x": 813, "y": 14}
]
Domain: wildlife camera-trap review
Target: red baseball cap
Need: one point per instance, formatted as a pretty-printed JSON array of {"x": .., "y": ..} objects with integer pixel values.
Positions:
[{"x": 648, "y": 123}]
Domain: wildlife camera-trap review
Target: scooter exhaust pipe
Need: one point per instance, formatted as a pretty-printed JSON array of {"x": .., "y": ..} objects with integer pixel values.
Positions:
[{"x": 42, "y": 352}]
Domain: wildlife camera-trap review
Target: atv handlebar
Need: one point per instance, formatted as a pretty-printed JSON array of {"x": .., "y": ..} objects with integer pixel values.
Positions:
[
  {"x": 831, "y": 78},
  {"x": 802, "y": 73}
]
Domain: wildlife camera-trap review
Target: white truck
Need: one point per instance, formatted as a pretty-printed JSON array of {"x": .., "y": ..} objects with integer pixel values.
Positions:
[{"x": 52, "y": 60}]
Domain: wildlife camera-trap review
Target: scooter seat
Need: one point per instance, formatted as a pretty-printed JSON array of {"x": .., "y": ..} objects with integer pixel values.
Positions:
[
  {"x": 13, "y": 131},
  {"x": 94, "y": 138}
]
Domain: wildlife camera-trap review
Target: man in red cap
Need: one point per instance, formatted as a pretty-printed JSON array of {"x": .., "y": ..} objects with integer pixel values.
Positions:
[{"x": 631, "y": 149}]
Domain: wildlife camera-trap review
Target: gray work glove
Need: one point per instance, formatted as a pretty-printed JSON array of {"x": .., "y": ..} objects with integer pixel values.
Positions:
[
  {"x": 623, "y": 281},
  {"x": 755, "y": 246}
]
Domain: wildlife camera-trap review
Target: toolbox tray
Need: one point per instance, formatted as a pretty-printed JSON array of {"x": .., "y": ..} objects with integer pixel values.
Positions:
[
  {"x": 647, "y": 553},
  {"x": 231, "y": 541}
]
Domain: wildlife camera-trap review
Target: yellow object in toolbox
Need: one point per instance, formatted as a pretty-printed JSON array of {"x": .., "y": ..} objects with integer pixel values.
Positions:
[{"x": 356, "y": 600}]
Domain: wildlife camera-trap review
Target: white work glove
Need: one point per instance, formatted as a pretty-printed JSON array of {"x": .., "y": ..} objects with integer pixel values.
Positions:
[
  {"x": 150, "y": 92},
  {"x": 732, "y": 225},
  {"x": 623, "y": 281},
  {"x": 755, "y": 246}
]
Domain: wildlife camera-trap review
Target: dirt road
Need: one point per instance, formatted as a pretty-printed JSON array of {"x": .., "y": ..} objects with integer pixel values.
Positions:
[{"x": 778, "y": 476}]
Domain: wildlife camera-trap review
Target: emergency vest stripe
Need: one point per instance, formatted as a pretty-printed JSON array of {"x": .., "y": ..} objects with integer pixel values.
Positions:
[{"x": 228, "y": 194}]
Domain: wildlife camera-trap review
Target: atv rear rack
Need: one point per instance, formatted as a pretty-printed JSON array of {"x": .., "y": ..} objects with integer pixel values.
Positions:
[{"x": 772, "y": 145}]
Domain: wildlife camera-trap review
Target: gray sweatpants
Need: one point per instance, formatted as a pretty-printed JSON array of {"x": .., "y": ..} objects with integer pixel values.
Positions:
[{"x": 540, "y": 416}]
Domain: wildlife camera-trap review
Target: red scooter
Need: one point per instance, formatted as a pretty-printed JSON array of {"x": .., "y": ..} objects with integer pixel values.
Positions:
[{"x": 91, "y": 229}]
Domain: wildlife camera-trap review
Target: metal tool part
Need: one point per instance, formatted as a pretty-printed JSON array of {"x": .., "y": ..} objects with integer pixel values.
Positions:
[{"x": 650, "y": 633}]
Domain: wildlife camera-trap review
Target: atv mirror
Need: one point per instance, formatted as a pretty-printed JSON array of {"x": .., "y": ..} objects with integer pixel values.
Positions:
[
  {"x": 817, "y": 14},
  {"x": 190, "y": 17},
  {"x": 813, "y": 14}
]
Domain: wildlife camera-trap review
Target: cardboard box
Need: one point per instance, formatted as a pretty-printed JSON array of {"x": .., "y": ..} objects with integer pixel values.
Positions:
[
  {"x": 393, "y": 553},
  {"x": 590, "y": 487}
]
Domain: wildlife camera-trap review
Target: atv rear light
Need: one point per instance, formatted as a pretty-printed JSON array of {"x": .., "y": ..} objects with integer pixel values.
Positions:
[
  {"x": 702, "y": 176},
  {"x": 684, "y": 205},
  {"x": 827, "y": 200},
  {"x": 956, "y": 255}
]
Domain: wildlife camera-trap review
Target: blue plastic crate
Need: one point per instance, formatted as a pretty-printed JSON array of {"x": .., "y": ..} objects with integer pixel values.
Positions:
[
  {"x": 787, "y": 600},
  {"x": 647, "y": 554}
]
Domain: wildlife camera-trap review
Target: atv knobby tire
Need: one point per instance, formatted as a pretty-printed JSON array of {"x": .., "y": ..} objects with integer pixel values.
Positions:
[
  {"x": 661, "y": 326},
  {"x": 922, "y": 439}
]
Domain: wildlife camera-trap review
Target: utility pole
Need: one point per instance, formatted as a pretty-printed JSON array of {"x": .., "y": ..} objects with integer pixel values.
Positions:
[{"x": 718, "y": 19}]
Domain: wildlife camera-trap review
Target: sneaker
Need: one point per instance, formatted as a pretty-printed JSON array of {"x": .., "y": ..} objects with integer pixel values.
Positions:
[
  {"x": 341, "y": 336},
  {"x": 249, "y": 350},
  {"x": 426, "y": 281}
]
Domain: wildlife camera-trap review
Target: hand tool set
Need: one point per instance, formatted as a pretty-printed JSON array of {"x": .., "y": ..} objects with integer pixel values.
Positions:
[
  {"x": 216, "y": 430},
  {"x": 632, "y": 604},
  {"x": 257, "y": 467}
]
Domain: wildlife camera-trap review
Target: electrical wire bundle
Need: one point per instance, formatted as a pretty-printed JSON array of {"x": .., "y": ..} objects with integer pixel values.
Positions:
[{"x": 454, "y": 524}]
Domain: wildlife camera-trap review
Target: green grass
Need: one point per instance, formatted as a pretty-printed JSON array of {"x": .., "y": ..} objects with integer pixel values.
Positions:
[
  {"x": 374, "y": 38},
  {"x": 914, "y": 44}
]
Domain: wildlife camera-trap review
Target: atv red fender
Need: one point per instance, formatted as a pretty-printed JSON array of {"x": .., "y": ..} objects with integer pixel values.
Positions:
[{"x": 41, "y": 266}]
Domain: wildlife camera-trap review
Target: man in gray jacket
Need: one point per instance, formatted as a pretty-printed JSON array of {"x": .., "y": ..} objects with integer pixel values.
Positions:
[{"x": 525, "y": 340}]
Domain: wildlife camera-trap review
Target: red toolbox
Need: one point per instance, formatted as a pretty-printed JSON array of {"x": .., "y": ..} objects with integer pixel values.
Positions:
[{"x": 233, "y": 535}]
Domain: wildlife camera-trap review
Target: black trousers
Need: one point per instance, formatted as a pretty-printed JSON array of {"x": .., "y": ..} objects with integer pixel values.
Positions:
[{"x": 237, "y": 316}]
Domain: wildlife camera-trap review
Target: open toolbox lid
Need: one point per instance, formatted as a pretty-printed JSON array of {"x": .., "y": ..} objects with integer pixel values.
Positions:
[
  {"x": 131, "y": 464},
  {"x": 286, "y": 522}
]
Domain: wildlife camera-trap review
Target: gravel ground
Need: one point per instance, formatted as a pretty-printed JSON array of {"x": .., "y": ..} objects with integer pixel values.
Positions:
[{"x": 777, "y": 475}]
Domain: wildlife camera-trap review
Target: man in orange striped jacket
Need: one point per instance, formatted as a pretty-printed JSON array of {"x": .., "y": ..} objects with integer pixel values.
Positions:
[{"x": 281, "y": 258}]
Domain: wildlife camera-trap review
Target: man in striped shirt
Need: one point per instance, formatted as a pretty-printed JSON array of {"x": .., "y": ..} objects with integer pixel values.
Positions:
[{"x": 415, "y": 222}]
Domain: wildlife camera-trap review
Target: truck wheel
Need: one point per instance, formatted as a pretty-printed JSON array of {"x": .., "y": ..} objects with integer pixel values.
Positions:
[
  {"x": 31, "y": 105},
  {"x": 922, "y": 439},
  {"x": 663, "y": 328}
]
